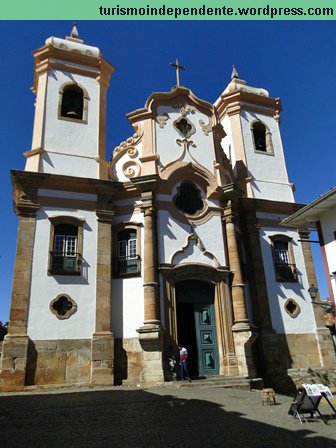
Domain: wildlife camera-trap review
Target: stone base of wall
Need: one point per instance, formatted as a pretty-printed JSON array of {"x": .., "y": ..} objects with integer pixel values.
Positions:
[
  {"x": 326, "y": 347},
  {"x": 283, "y": 354},
  {"x": 14, "y": 361},
  {"x": 151, "y": 341},
  {"x": 287, "y": 360},
  {"x": 102, "y": 358},
  {"x": 229, "y": 367},
  {"x": 59, "y": 362},
  {"x": 244, "y": 338},
  {"x": 127, "y": 361},
  {"x": 313, "y": 376}
]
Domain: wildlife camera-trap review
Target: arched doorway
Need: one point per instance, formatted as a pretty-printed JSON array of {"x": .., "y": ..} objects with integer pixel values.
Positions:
[{"x": 196, "y": 325}]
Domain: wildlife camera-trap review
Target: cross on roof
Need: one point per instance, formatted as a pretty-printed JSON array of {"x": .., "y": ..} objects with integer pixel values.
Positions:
[{"x": 178, "y": 68}]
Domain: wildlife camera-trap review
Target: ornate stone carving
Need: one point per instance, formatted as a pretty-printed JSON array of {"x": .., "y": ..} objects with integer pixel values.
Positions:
[
  {"x": 206, "y": 128},
  {"x": 185, "y": 144},
  {"x": 129, "y": 150},
  {"x": 131, "y": 169},
  {"x": 185, "y": 109},
  {"x": 162, "y": 120},
  {"x": 193, "y": 238},
  {"x": 129, "y": 143},
  {"x": 132, "y": 152}
]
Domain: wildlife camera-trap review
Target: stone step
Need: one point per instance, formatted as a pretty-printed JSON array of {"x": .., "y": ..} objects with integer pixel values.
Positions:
[{"x": 219, "y": 382}]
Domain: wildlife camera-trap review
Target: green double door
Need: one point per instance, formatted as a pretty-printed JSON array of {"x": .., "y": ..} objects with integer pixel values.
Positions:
[{"x": 196, "y": 326}]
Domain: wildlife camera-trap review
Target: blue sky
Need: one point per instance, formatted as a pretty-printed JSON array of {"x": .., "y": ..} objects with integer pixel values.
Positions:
[{"x": 292, "y": 60}]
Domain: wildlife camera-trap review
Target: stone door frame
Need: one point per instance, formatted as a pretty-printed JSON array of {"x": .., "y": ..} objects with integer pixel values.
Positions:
[{"x": 219, "y": 277}]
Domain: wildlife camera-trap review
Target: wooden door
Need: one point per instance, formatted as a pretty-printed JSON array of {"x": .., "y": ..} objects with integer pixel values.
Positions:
[{"x": 205, "y": 327}]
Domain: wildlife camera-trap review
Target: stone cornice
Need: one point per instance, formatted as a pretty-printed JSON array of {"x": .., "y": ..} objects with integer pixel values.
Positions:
[
  {"x": 105, "y": 216},
  {"x": 24, "y": 198},
  {"x": 180, "y": 272},
  {"x": 146, "y": 183},
  {"x": 48, "y": 57},
  {"x": 266, "y": 206},
  {"x": 234, "y": 103},
  {"x": 29, "y": 179},
  {"x": 34, "y": 152},
  {"x": 230, "y": 192},
  {"x": 176, "y": 94},
  {"x": 26, "y": 209}
]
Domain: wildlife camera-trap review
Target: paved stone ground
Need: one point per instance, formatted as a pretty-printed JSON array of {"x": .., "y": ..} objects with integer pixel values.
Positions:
[{"x": 155, "y": 417}]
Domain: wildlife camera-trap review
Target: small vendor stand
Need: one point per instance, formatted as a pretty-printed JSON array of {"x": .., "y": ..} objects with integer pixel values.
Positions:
[{"x": 307, "y": 401}]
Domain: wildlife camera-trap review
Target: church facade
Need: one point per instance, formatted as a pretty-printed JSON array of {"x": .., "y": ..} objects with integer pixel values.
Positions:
[{"x": 176, "y": 239}]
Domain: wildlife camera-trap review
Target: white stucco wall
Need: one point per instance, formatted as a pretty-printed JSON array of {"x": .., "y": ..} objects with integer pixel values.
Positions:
[
  {"x": 277, "y": 191},
  {"x": 173, "y": 237},
  {"x": 127, "y": 307},
  {"x": 70, "y": 145},
  {"x": 328, "y": 225},
  {"x": 278, "y": 293},
  {"x": 129, "y": 165},
  {"x": 42, "y": 324},
  {"x": 127, "y": 296},
  {"x": 169, "y": 150},
  {"x": 227, "y": 142}
]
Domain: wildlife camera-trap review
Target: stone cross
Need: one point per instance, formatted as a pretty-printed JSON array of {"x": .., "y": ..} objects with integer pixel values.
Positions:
[{"x": 178, "y": 68}]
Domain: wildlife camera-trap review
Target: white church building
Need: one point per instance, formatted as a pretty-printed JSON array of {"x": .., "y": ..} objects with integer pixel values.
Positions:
[{"x": 176, "y": 239}]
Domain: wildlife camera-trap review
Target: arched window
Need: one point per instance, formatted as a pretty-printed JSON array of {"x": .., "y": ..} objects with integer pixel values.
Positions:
[
  {"x": 66, "y": 242},
  {"x": 283, "y": 256},
  {"x": 72, "y": 102},
  {"x": 262, "y": 137},
  {"x": 188, "y": 198},
  {"x": 127, "y": 254}
]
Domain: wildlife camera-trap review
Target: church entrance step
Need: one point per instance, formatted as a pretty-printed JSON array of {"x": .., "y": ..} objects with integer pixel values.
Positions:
[{"x": 220, "y": 382}]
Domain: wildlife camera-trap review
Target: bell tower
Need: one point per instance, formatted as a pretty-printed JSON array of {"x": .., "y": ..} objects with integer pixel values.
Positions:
[
  {"x": 253, "y": 144},
  {"x": 70, "y": 84}
]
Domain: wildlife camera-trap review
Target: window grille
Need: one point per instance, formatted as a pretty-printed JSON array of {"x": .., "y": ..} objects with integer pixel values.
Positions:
[{"x": 127, "y": 261}]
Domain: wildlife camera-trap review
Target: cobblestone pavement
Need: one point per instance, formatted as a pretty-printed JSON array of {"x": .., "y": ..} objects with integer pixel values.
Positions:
[{"x": 155, "y": 417}]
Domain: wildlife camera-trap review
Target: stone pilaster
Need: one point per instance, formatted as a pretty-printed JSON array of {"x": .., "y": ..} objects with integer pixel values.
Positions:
[
  {"x": 267, "y": 340},
  {"x": 243, "y": 333},
  {"x": 311, "y": 276},
  {"x": 15, "y": 346},
  {"x": 102, "y": 344},
  {"x": 152, "y": 314},
  {"x": 324, "y": 338},
  {"x": 257, "y": 279},
  {"x": 238, "y": 286},
  {"x": 150, "y": 334},
  {"x": 244, "y": 339},
  {"x": 151, "y": 340}
]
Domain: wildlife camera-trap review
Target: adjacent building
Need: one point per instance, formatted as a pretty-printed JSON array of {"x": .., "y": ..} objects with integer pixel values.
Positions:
[{"x": 320, "y": 215}]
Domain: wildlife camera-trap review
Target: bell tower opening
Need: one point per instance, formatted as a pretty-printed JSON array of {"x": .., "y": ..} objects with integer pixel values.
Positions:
[{"x": 72, "y": 102}]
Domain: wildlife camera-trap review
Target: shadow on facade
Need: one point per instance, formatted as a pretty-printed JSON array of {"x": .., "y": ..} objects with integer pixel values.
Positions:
[
  {"x": 117, "y": 325},
  {"x": 31, "y": 363},
  {"x": 120, "y": 362},
  {"x": 142, "y": 419}
]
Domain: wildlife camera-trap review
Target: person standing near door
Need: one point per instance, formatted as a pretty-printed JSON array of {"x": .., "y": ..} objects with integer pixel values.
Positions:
[
  {"x": 183, "y": 363},
  {"x": 172, "y": 362}
]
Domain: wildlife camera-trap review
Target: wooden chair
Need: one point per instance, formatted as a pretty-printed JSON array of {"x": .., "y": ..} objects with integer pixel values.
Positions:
[{"x": 268, "y": 396}]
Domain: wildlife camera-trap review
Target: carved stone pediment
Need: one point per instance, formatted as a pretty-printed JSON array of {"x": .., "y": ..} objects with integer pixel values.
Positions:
[{"x": 194, "y": 251}]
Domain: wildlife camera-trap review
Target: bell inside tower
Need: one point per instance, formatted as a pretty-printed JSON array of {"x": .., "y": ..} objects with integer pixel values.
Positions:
[{"x": 72, "y": 102}]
